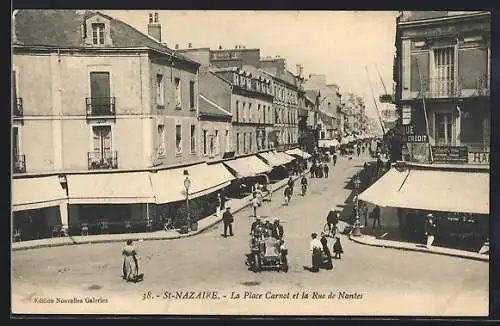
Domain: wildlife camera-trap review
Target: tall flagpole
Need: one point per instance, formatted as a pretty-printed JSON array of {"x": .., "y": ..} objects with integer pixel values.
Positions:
[
  {"x": 375, "y": 101},
  {"x": 425, "y": 111}
]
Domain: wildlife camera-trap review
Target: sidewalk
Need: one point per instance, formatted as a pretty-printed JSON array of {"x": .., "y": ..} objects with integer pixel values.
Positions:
[
  {"x": 203, "y": 225},
  {"x": 371, "y": 240}
]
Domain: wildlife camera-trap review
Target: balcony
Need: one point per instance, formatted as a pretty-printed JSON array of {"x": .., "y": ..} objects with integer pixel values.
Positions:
[
  {"x": 18, "y": 108},
  {"x": 103, "y": 160},
  {"x": 100, "y": 106},
  {"x": 453, "y": 88},
  {"x": 19, "y": 164},
  {"x": 441, "y": 88}
]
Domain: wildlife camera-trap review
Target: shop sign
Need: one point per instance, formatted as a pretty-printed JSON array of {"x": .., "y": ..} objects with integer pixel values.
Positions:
[
  {"x": 410, "y": 135},
  {"x": 479, "y": 158},
  {"x": 450, "y": 154}
]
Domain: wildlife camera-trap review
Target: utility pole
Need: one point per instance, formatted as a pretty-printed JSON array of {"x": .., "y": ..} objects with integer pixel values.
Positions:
[{"x": 422, "y": 91}]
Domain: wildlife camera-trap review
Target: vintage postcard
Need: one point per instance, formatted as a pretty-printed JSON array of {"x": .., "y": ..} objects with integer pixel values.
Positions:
[{"x": 323, "y": 163}]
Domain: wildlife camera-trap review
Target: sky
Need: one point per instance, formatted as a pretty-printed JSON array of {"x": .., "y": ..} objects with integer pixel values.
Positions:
[{"x": 339, "y": 44}]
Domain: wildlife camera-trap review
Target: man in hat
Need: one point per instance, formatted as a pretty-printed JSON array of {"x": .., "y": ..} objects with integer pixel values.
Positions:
[
  {"x": 430, "y": 230},
  {"x": 277, "y": 229},
  {"x": 268, "y": 228},
  {"x": 315, "y": 248},
  {"x": 228, "y": 220},
  {"x": 255, "y": 225},
  {"x": 375, "y": 215}
]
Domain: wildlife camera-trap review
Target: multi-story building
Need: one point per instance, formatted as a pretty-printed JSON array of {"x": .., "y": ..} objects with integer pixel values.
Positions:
[
  {"x": 215, "y": 116},
  {"x": 330, "y": 100},
  {"x": 442, "y": 70},
  {"x": 442, "y": 77},
  {"x": 250, "y": 96},
  {"x": 97, "y": 108},
  {"x": 286, "y": 101}
]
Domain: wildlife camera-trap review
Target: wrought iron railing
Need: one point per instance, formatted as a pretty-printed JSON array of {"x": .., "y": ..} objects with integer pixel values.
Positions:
[
  {"x": 100, "y": 106},
  {"x": 19, "y": 164},
  {"x": 451, "y": 87},
  {"x": 103, "y": 160},
  {"x": 18, "y": 107}
]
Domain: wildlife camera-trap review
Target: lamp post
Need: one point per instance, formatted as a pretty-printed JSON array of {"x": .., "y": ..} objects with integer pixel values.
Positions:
[
  {"x": 187, "y": 184},
  {"x": 357, "y": 229}
]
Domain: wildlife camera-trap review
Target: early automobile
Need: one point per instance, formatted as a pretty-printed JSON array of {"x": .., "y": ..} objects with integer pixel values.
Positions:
[{"x": 267, "y": 252}]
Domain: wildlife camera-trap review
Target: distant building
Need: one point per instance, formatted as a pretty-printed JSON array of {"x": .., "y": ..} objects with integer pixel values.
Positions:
[{"x": 329, "y": 102}]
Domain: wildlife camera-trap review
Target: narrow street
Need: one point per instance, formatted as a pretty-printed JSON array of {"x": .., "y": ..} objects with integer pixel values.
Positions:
[{"x": 378, "y": 279}]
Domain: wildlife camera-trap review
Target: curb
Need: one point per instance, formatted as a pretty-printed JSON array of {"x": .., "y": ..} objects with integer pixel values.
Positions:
[
  {"x": 180, "y": 236},
  {"x": 354, "y": 239}
]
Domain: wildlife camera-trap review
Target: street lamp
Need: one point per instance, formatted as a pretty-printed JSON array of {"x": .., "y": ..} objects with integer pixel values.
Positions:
[
  {"x": 357, "y": 229},
  {"x": 187, "y": 184}
]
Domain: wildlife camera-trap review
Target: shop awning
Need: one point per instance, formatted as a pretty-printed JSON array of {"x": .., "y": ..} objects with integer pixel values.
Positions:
[
  {"x": 168, "y": 185},
  {"x": 434, "y": 190},
  {"x": 39, "y": 192},
  {"x": 285, "y": 157},
  {"x": 110, "y": 188},
  {"x": 273, "y": 159},
  {"x": 299, "y": 153},
  {"x": 248, "y": 166}
]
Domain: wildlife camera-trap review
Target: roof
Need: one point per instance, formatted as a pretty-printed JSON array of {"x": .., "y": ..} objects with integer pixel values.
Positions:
[
  {"x": 208, "y": 107},
  {"x": 312, "y": 94},
  {"x": 286, "y": 76},
  {"x": 63, "y": 28}
]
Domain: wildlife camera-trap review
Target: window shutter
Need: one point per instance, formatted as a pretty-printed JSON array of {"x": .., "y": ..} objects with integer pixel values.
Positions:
[
  {"x": 96, "y": 140},
  {"x": 472, "y": 68},
  {"x": 419, "y": 61},
  {"x": 107, "y": 139}
]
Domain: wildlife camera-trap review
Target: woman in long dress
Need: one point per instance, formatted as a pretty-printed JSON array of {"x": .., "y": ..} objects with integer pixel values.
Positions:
[
  {"x": 337, "y": 246},
  {"x": 130, "y": 263},
  {"x": 328, "y": 264}
]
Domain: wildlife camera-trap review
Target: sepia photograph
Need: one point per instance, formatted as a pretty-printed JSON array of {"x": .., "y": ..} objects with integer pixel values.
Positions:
[{"x": 254, "y": 163}]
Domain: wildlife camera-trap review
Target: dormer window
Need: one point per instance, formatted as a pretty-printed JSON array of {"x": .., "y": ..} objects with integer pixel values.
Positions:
[
  {"x": 96, "y": 31},
  {"x": 98, "y": 34}
]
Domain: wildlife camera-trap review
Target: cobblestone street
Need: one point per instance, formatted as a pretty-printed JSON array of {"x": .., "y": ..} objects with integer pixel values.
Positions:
[{"x": 377, "y": 279}]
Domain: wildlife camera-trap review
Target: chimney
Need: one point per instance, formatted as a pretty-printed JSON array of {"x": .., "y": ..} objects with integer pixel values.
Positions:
[
  {"x": 154, "y": 26},
  {"x": 300, "y": 69}
]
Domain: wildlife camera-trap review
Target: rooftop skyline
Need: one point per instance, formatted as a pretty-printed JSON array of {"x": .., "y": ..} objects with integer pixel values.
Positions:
[{"x": 338, "y": 44}]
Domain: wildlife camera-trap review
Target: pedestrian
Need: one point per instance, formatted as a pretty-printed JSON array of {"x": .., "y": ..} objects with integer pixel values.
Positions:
[
  {"x": 315, "y": 249},
  {"x": 334, "y": 158},
  {"x": 326, "y": 170},
  {"x": 331, "y": 220},
  {"x": 254, "y": 201},
  {"x": 228, "y": 220},
  {"x": 358, "y": 150},
  {"x": 319, "y": 171},
  {"x": 130, "y": 266},
  {"x": 221, "y": 202},
  {"x": 288, "y": 194},
  {"x": 375, "y": 215},
  {"x": 430, "y": 230},
  {"x": 364, "y": 212},
  {"x": 291, "y": 183},
  {"x": 312, "y": 170},
  {"x": 326, "y": 251},
  {"x": 277, "y": 229},
  {"x": 337, "y": 246}
]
